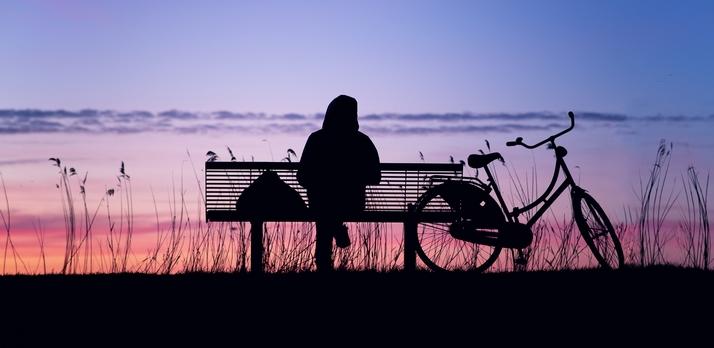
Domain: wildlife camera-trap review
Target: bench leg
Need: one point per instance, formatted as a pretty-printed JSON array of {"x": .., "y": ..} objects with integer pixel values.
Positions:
[
  {"x": 256, "y": 247},
  {"x": 410, "y": 232}
]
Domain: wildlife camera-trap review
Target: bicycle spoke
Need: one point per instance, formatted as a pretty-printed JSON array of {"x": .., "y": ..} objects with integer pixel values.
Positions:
[
  {"x": 599, "y": 233},
  {"x": 441, "y": 250}
]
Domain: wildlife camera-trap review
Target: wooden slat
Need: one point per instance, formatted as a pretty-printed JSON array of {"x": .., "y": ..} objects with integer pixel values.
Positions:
[
  {"x": 296, "y": 165},
  {"x": 362, "y": 217},
  {"x": 402, "y": 184}
]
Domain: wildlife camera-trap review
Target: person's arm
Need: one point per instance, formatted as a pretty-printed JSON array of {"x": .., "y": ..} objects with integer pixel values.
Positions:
[
  {"x": 372, "y": 172},
  {"x": 307, "y": 165}
]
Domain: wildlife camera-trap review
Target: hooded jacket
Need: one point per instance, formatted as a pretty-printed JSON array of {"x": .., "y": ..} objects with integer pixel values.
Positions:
[{"x": 338, "y": 161}]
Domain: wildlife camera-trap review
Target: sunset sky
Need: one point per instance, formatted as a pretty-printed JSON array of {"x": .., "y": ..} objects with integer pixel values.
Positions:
[{"x": 157, "y": 84}]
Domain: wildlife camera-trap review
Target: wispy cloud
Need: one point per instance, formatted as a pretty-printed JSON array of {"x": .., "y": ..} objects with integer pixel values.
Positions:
[
  {"x": 504, "y": 128},
  {"x": 677, "y": 119},
  {"x": 531, "y": 116},
  {"x": 18, "y": 161},
  {"x": 14, "y": 121}
]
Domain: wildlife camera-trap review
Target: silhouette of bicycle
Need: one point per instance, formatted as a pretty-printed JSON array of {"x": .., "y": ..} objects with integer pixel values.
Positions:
[{"x": 472, "y": 228}]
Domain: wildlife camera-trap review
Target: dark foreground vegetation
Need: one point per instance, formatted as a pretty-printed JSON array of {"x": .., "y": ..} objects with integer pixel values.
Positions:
[{"x": 242, "y": 307}]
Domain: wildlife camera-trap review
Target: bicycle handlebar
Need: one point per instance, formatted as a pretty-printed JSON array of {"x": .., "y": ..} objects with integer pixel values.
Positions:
[{"x": 519, "y": 140}]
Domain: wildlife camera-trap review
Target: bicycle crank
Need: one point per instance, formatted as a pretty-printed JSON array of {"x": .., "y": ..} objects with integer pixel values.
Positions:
[{"x": 508, "y": 235}]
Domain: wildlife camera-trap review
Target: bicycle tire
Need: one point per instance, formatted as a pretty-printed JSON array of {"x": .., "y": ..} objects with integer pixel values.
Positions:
[
  {"x": 435, "y": 246},
  {"x": 597, "y": 230}
]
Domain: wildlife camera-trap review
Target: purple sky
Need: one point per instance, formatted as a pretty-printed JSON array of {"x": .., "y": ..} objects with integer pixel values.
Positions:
[{"x": 639, "y": 58}]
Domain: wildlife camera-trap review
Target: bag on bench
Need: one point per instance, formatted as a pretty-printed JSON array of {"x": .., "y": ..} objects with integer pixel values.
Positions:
[{"x": 270, "y": 195}]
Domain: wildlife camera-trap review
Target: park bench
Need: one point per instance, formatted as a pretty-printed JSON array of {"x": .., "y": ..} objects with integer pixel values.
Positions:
[{"x": 390, "y": 201}]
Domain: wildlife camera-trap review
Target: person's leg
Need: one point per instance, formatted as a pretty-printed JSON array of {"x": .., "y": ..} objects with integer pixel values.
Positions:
[
  {"x": 342, "y": 237},
  {"x": 323, "y": 244}
]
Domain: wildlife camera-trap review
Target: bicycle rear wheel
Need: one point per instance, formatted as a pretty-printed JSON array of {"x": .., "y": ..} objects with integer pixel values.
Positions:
[
  {"x": 597, "y": 230},
  {"x": 457, "y": 202}
]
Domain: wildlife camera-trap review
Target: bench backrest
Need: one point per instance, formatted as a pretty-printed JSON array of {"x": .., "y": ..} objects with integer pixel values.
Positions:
[{"x": 401, "y": 184}]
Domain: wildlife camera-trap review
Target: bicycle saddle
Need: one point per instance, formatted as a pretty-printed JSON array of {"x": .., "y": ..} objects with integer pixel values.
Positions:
[{"x": 479, "y": 161}]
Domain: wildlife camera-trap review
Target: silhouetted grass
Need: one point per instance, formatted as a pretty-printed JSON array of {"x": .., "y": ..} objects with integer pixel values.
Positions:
[
  {"x": 6, "y": 222},
  {"x": 185, "y": 243},
  {"x": 655, "y": 205},
  {"x": 695, "y": 220}
]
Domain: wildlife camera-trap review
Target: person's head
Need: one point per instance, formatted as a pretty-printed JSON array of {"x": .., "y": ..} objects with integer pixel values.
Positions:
[{"x": 341, "y": 114}]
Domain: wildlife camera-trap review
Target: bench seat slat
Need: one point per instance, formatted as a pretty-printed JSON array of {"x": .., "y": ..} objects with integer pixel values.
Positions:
[
  {"x": 368, "y": 216},
  {"x": 295, "y": 165},
  {"x": 401, "y": 184}
]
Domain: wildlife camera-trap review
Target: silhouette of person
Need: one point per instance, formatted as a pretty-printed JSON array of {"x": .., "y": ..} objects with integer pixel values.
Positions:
[{"x": 337, "y": 163}]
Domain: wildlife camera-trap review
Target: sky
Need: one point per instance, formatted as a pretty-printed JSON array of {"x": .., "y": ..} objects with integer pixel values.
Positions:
[
  {"x": 157, "y": 84},
  {"x": 633, "y": 57}
]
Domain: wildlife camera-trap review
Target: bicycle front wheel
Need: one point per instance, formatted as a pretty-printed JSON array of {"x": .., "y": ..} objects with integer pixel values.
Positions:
[{"x": 597, "y": 230}]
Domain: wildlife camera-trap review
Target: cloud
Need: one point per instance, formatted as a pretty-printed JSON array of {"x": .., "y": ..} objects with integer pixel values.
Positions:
[
  {"x": 451, "y": 117},
  {"x": 531, "y": 116},
  {"x": 17, "y": 161},
  {"x": 21, "y": 121},
  {"x": 294, "y": 117},
  {"x": 135, "y": 115},
  {"x": 35, "y": 113},
  {"x": 181, "y": 115},
  {"x": 594, "y": 116},
  {"x": 676, "y": 119},
  {"x": 463, "y": 129},
  {"x": 229, "y": 115}
]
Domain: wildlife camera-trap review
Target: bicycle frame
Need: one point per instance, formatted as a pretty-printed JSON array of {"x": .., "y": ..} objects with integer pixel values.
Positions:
[{"x": 546, "y": 198}]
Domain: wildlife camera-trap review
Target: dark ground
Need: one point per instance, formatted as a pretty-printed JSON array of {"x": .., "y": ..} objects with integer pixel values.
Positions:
[{"x": 591, "y": 305}]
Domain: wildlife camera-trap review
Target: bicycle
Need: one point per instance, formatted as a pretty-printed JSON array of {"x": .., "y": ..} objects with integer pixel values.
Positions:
[{"x": 474, "y": 227}]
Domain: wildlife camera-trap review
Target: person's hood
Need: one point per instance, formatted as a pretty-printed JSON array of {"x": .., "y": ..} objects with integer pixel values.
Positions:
[{"x": 341, "y": 114}]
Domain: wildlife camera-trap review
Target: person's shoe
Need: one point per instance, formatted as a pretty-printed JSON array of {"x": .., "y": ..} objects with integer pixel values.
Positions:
[{"x": 342, "y": 238}]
